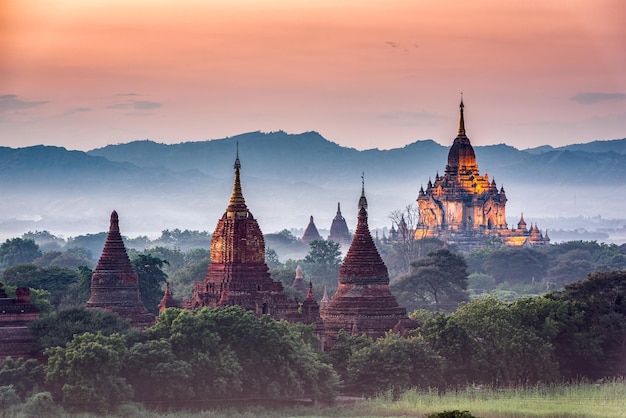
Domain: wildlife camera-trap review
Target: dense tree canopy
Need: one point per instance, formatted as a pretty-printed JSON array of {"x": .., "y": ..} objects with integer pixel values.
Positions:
[
  {"x": 437, "y": 282},
  {"x": 18, "y": 251}
]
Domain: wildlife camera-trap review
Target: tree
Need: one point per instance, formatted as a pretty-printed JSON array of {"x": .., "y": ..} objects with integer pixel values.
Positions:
[
  {"x": 516, "y": 265},
  {"x": 86, "y": 374},
  {"x": 155, "y": 373},
  {"x": 60, "y": 328},
  {"x": 323, "y": 261},
  {"x": 396, "y": 364},
  {"x": 602, "y": 300},
  {"x": 18, "y": 251},
  {"x": 151, "y": 280},
  {"x": 487, "y": 341},
  {"x": 60, "y": 282},
  {"x": 271, "y": 258},
  {"x": 26, "y": 376},
  {"x": 233, "y": 352},
  {"x": 437, "y": 282}
]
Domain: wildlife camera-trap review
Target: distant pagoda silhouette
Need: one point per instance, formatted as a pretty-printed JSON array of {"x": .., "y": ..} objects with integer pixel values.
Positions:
[
  {"x": 339, "y": 232},
  {"x": 311, "y": 233},
  {"x": 363, "y": 303},
  {"x": 114, "y": 282}
]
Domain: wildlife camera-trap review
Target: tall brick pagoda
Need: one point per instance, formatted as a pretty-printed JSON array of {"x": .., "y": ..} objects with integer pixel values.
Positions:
[
  {"x": 363, "y": 303},
  {"x": 339, "y": 232},
  {"x": 237, "y": 273},
  {"x": 114, "y": 282}
]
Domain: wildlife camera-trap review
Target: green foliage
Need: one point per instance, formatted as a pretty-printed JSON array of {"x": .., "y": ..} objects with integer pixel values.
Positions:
[
  {"x": 436, "y": 282},
  {"x": 345, "y": 347},
  {"x": 322, "y": 262},
  {"x": 60, "y": 328},
  {"x": 156, "y": 374},
  {"x": 88, "y": 244},
  {"x": 479, "y": 283},
  {"x": 86, "y": 374},
  {"x": 271, "y": 258},
  {"x": 487, "y": 341},
  {"x": 62, "y": 283},
  {"x": 40, "y": 405},
  {"x": 70, "y": 260},
  {"x": 394, "y": 364},
  {"x": 181, "y": 281},
  {"x": 151, "y": 279},
  {"x": 18, "y": 251},
  {"x": 515, "y": 265},
  {"x": 24, "y": 375},
  {"x": 232, "y": 352},
  {"x": 8, "y": 397},
  {"x": 39, "y": 298},
  {"x": 45, "y": 240},
  {"x": 324, "y": 252},
  {"x": 601, "y": 338}
]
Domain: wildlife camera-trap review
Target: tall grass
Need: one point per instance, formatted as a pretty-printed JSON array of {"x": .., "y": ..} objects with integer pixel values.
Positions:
[{"x": 580, "y": 400}]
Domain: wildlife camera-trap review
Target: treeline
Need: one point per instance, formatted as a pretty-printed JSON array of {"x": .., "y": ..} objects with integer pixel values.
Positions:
[{"x": 94, "y": 360}]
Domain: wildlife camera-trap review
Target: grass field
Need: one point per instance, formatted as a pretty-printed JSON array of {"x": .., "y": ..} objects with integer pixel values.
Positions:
[{"x": 583, "y": 400}]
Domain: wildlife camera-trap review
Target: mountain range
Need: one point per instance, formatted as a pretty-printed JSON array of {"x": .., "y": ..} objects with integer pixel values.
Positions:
[{"x": 286, "y": 178}]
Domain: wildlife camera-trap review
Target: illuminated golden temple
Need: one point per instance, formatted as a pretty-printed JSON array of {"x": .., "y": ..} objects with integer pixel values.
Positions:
[{"x": 465, "y": 208}]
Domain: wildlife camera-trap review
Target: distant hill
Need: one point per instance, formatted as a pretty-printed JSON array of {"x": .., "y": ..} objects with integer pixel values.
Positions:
[{"x": 286, "y": 178}]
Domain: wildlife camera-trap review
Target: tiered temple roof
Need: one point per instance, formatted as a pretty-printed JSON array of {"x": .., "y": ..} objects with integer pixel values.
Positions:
[
  {"x": 363, "y": 303},
  {"x": 311, "y": 233},
  {"x": 463, "y": 206},
  {"x": 114, "y": 282},
  {"x": 237, "y": 273},
  {"x": 339, "y": 232}
]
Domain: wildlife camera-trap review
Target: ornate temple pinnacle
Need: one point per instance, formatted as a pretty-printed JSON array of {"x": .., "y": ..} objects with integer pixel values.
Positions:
[
  {"x": 237, "y": 204},
  {"x": 363, "y": 200},
  {"x": 461, "y": 119},
  {"x": 115, "y": 222}
]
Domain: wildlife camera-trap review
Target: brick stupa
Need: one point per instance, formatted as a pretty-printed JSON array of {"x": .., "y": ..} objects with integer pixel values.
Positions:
[
  {"x": 114, "y": 282},
  {"x": 363, "y": 303},
  {"x": 237, "y": 273}
]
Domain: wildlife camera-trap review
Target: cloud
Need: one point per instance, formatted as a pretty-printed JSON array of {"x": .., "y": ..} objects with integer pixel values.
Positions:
[
  {"x": 127, "y": 94},
  {"x": 596, "y": 97},
  {"x": 136, "y": 104},
  {"x": 392, "y": 44},
  {"x": 145, "y": 105},
  {"x": 10, "y": 102}
]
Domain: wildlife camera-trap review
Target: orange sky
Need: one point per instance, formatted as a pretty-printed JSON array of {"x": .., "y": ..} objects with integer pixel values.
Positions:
[{"x": 363, "y": 73}]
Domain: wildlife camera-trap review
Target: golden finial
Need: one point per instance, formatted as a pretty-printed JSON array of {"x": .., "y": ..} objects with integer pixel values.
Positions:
[
  {"x": 462, "y": 119},
  {"x": 237, "y": 204}
]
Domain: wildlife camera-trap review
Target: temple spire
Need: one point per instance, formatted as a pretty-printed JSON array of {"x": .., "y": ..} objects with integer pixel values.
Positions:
[
  {"x": 461, "y": 119},
  {"x": 363, "y": 200},
  {"x": 237, "y": 204}
]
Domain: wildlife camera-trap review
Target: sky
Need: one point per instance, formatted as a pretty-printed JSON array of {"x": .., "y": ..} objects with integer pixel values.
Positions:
[{"x": 364, "y": 74}]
